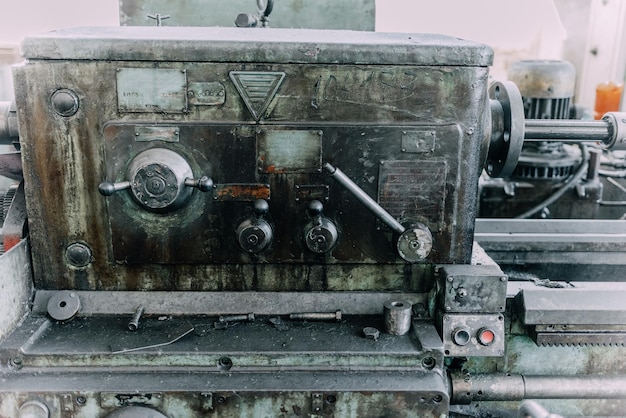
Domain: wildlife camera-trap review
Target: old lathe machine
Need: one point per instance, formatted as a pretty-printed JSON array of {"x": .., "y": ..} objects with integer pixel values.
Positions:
[{"x": 234, "y": 222}]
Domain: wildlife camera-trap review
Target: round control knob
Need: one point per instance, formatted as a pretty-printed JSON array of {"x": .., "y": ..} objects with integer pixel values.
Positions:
[
  {"x": 255, "y": 234},
  {"x": 415, "y": 243},
  {"x": 320, "y": 234},
  {"x": 160, "y": 180},
  {"x": 157, "y": 179}
]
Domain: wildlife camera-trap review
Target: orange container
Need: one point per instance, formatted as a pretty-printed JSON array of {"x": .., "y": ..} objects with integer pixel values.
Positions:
[{"x": 608, "y": 97}]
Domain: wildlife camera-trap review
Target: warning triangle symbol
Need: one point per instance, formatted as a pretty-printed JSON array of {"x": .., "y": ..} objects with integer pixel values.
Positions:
[{"x": 257, "y": 88}]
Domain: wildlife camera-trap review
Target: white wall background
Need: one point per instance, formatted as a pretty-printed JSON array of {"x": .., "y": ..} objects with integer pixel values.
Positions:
[{"x": 516, "y": 29}]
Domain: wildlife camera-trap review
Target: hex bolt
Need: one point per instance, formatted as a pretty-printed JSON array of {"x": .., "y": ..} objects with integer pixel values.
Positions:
[
  {"x": 371, "y": 333},
  {"x": 316, "y": 316},
  {"x": 16, "y": 363},
  {"x": 249, "y": 317},
  {"x": 133, "y": 325}
]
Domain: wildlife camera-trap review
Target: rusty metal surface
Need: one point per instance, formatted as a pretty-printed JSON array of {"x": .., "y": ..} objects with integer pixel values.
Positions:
[
  {"x": 298, "y": 394},
  {"x": 223, "y": 302},
  {"x": 195, "y": 248},
  {"x": 229, "y": 369}
]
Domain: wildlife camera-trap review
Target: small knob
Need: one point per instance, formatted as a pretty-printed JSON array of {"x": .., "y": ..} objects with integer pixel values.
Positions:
[
  {"x": 204, "y": 183},
  {"x": 261, "y": 207},
  {"x": 315, "y": 208},
  {"x": 106, "y": 188}
]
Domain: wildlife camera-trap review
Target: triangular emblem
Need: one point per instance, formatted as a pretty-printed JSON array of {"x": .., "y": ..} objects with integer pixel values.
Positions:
[{"x": 257, "y": 88}]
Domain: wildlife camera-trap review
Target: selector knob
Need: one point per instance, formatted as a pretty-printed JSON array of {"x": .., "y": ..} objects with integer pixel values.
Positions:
[
  {"x": 255, "y": 234},
  {"x": 160, "y": 180},
  {"x": 320, "y": 234}
]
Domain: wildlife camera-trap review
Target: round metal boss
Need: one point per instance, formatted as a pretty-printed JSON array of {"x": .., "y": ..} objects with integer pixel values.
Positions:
[
  {"x": 64, "y": 102},
  {"x": 63, "y": 305},
  {"x": 78, "y": 255},
  {"x": 34, "y": 409}
]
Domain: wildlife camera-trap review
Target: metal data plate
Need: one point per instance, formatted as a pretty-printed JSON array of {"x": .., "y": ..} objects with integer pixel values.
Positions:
[
  {"x": 151, "y": 90},
  {"x": 289, "y": 151},
  {"x": 157, "y": 133},
  {"x": 416, "y": 186},
  {"x": 206, "y": 93}
]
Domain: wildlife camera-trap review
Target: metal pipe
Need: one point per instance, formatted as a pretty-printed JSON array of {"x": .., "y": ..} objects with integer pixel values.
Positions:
[
  {"x": 507, "y": 387},
  {"x": 133, "y": 325},
  {"x": 365, "y": 199}
]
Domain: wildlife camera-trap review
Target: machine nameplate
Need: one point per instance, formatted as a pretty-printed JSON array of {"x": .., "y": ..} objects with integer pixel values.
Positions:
[
  {"x": 413, "y": 187},
  {"x": 289, "y": 151},
  {"x": 157, "y": 133},
  {"x": 206, "y": 94},
  {"x": 151, "y": 90}
]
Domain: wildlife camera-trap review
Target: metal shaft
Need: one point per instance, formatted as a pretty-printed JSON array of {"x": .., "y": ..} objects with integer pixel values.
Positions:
[
  {"x": 567, "y": 130},
  {"x": 365, "y": 199},
  {"x": 316, "y": 316},
  {"x": 498, "y": 387},
  {"x": 249, "y": 317}
]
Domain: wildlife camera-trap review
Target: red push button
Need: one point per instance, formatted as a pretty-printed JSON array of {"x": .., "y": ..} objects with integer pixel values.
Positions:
[{"x": 486, "y": 336}]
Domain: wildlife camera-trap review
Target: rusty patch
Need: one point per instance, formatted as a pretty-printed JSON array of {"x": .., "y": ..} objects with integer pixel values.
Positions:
[{"x": 241, "y": 192}]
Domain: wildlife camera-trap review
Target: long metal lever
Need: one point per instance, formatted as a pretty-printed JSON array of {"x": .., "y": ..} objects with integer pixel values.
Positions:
[{"x": 364, "y": 198}]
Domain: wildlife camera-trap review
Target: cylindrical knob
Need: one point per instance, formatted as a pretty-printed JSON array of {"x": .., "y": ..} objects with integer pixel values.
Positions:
[
  {"x": 246, "y": 20},
  {"x": 397, "y": 314}
]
